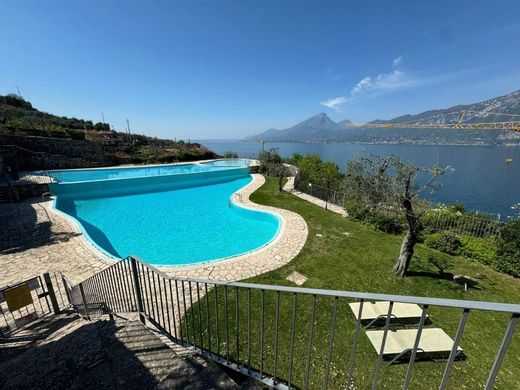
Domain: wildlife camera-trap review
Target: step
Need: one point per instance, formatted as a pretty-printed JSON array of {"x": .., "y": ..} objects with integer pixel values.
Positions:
[
  {"x": 67, "y": 351},
  {"x": 4, "y": 195}
]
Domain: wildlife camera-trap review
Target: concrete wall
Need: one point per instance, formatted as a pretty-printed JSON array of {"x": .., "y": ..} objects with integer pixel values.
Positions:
[{"x": 127, "y": 186}]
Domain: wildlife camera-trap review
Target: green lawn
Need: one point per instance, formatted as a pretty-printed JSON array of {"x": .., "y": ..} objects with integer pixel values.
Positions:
[{"x": 361, "y": 261}]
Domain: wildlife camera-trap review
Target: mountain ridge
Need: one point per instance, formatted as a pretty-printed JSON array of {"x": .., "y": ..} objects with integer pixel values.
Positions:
[
  {"x": 485, "y": 111},
  {"x": 321, "y": 129}
]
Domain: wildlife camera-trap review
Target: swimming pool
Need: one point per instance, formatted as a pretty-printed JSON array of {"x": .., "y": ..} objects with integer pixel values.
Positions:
[
  {"x": 77, "y": 175},
  {"x": 181, "y": 218}
]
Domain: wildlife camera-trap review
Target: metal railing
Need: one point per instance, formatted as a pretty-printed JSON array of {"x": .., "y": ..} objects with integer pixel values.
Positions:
[
  {"x": 235, "y": 195},
  {"x": 41, "y": 295},
  {"x": 326, "y": 194},
  {"x": 289, "y": 337},
  {"x": 472, "y": 224},
  {"x": 465, "y": 224}
]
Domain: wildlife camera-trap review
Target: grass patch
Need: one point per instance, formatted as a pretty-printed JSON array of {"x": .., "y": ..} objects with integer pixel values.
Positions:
[{"x": 361, "y": 261}]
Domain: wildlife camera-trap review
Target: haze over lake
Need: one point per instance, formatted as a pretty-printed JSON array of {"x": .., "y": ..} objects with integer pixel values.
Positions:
[{"x": 481, "y": 179}]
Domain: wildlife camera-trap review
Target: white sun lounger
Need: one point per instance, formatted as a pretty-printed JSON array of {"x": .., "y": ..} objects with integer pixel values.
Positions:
[
  {"x": 404, "y": 313},
  {"x": 434, "y": 343}
]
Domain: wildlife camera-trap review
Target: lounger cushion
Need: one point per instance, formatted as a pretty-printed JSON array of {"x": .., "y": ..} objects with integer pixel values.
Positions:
[
  {"x": 373, "y": 310},
  {"x": 432, "y": 340}
]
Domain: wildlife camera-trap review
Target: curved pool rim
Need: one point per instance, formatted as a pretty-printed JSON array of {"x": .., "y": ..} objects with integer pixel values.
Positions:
[
  {"x": 111, "y": 258},
  {"x": 202, "y": 163}
]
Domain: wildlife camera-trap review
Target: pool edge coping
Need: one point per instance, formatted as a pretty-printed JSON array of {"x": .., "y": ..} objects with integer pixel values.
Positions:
[{"x": 288, "y": 242}]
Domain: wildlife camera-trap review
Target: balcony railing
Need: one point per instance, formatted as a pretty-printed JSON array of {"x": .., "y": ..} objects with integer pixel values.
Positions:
[{"x": 288, "y": 337}]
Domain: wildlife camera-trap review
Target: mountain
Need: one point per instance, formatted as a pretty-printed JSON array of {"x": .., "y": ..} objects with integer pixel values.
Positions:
[
  {"x": 486, "y": 111},
  {"x": 345, "y": 122},
  {"x": 321, "y": 129},
  {"x": 310, "y": 129}
]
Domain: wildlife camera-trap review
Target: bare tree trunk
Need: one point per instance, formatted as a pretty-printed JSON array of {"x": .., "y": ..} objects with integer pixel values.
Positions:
[
  {"x": 409, "y": 241},
  {"x": 406, "y": 254}
]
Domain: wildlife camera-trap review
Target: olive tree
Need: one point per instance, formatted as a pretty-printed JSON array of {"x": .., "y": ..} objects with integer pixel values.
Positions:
[
  {"x": 380, "y": 184},
  {"x": 271, "y": 163}
]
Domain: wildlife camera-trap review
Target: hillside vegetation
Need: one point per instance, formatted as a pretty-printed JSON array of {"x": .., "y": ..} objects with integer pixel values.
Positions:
[{"x": 20, "y": 123}]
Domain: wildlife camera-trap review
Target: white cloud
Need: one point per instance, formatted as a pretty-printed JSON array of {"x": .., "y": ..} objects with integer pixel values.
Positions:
[
  {"x": 397, "y": 61},
  {"x": 383, "y": 81},
  {"x": 335, "y": 103},
  {"x": 371, "y": 86}
]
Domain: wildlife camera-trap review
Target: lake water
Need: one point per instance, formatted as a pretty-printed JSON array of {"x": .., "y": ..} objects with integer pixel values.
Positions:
[{"x": 481, "y": 179}]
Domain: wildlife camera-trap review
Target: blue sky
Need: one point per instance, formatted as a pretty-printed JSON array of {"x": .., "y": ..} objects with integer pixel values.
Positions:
[{"x": 222, "y": 69}]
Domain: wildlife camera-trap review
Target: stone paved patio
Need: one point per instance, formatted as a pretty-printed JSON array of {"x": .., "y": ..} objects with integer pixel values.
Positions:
[{"x": 34, "y": 239}]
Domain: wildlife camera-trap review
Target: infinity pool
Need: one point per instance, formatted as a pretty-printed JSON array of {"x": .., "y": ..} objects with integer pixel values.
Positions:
[
  {"x": 75, "y": 175},
  {"x": 180, "y": 219}
]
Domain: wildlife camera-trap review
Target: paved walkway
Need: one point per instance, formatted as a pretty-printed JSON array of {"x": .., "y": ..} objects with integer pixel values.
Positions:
[
  {"x": 34, "y": 238},
  {"x": 34, "y": 241},
  {"x": 69, "y": 352},
  {"x": 289, "y": 187}
]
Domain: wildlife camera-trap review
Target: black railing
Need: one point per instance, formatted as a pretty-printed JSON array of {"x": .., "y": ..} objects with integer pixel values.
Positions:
[
  {"x": 290, "y": 337},
  {"x": 26, "y": 301}
]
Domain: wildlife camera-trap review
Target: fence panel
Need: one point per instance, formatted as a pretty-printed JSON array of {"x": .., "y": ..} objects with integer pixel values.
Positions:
[
  {"x": 296, "y": 337},
  {"x": 29, "y": 300}
]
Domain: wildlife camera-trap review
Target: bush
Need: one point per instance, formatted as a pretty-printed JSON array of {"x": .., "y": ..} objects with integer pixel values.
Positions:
[
  {"x": 458, "y": 207},
  {"x": 508, "y": 252},
  {"x": 385, "y": 223},
  {"x": 355, "y": 210},
  {"x": 76, "y": 134},
  {"x": 229, "y": 154},
  {"x": 445, "y": 242},
  {"x": 481, "y": 249}
]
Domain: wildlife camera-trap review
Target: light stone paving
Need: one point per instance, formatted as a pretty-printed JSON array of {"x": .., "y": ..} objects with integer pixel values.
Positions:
[
  {"x": 35, "y": 238},
  {"x": 297, "y": 278},
  {"x": 34, "y": 241}
]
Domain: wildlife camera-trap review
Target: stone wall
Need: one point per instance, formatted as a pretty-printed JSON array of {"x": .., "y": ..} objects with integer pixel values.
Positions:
[
  {"x": 26, "y": 153},
  {"x": 66, "y": 147}
]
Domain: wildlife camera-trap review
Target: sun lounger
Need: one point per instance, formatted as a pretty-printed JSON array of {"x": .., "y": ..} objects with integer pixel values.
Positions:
[
  {"x": 374, "y": 314},
  {"x": 434, "y": 344}
]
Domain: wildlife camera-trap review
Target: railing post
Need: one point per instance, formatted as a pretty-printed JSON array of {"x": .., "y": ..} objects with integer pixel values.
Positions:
[
  {"x": 502, "y": 351},
  {"x": 66, "y": 287},
  {"x": 84, "y": 300},
  {"x": 52, "y": 294},
  {"x": 137, "y": 288}
]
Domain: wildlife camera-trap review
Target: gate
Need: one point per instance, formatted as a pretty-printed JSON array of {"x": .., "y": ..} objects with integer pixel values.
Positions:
[{"x": 29, "y": 300}]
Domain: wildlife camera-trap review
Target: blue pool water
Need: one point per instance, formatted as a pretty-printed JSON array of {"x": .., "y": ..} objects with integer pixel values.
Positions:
[
  {"x": 76, "y": 175},
  {"x": 173, "y": 225}
]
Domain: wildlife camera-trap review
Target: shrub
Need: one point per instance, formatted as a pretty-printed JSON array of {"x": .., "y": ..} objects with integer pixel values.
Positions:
[
  {"x": 445, "y": 242},
  {"x": 385, "y": 223},
  {"x": 508, "y": 252},
  {"x": 481, "y": 249},
  {"x": 458, "y": 207},
  {"x": 229, "y": 154},
  {"x": 76, "y": 134},
  {"x": 355, "y": 210},
  {"x": 262, "y": 168}
]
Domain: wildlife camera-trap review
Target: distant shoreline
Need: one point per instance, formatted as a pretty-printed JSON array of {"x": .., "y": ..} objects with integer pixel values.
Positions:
[{"x": 360, "y": 143}]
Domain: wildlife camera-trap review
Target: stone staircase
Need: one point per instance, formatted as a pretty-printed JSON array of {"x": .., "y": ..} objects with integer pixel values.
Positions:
[
  {"x": 4, "y": 195},
  {"x": 66, "y": 351}
]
